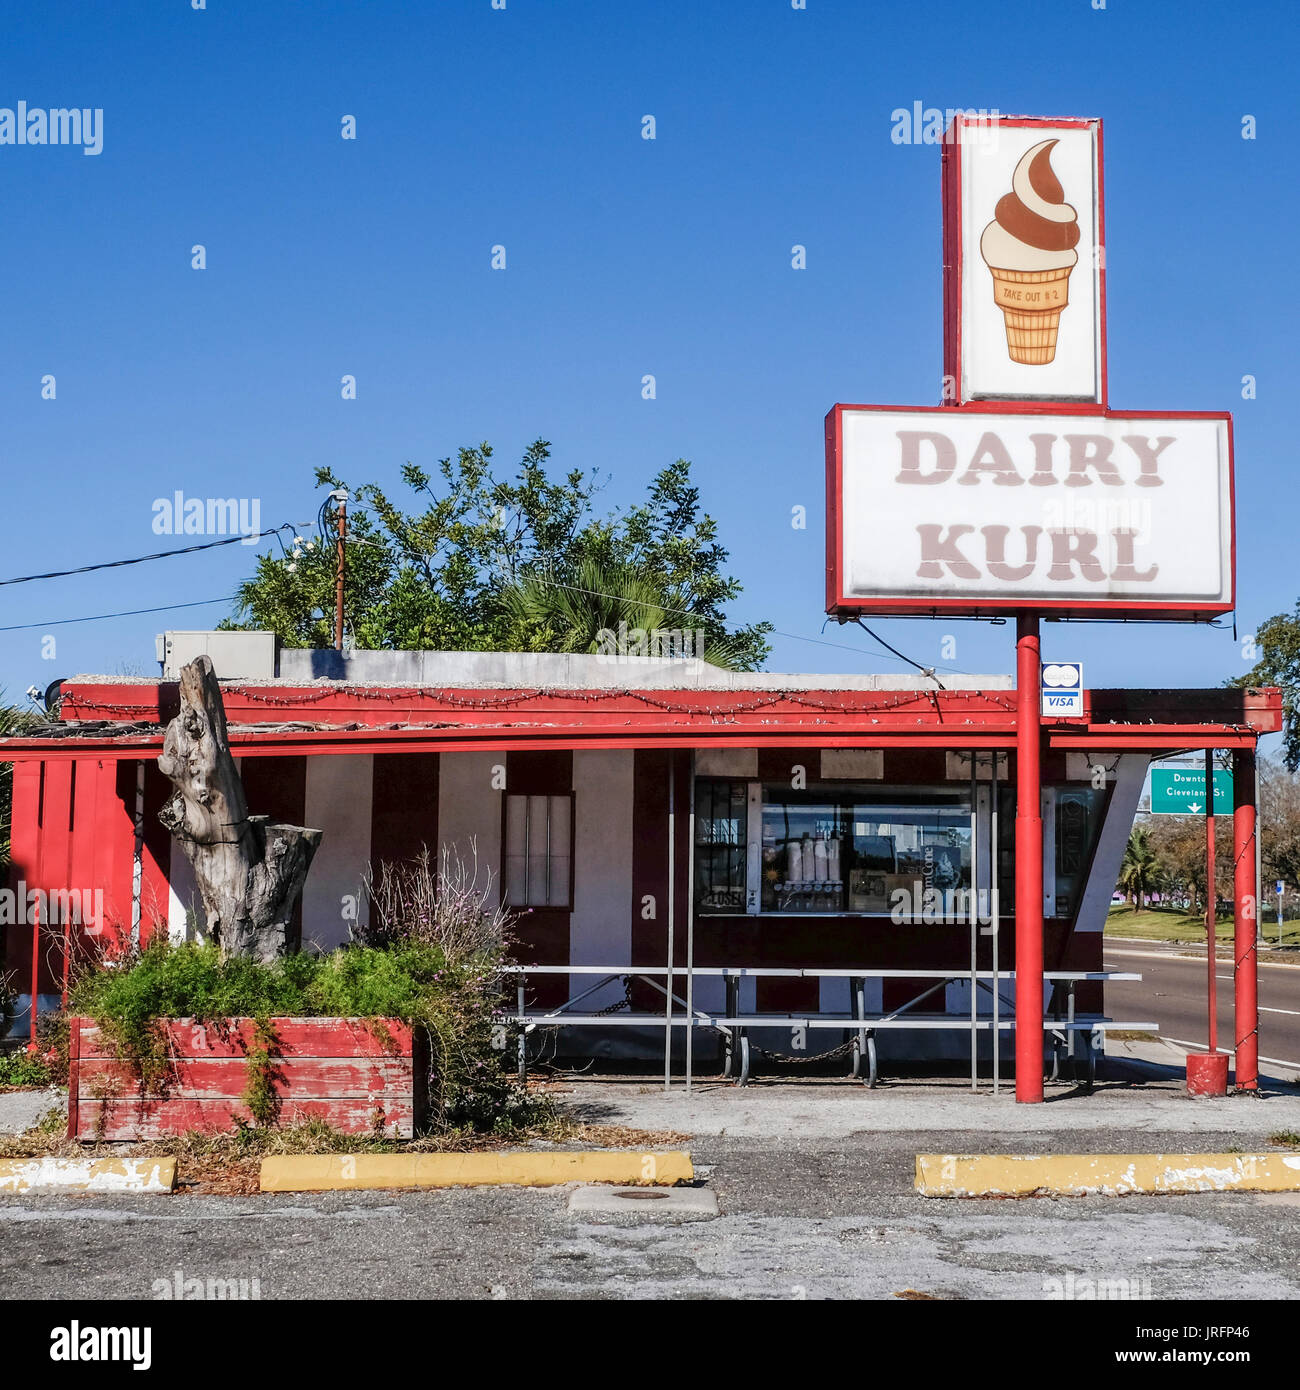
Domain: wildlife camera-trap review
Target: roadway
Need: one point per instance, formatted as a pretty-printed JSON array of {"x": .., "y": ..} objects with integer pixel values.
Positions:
[{"x": 1173, "y": 993}]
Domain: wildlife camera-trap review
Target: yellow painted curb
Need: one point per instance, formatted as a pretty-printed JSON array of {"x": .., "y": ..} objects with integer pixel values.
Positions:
[
  {"x": 1105, "y": 1175},
  {"x": 88, "y": 1174},
  {"x": 333, "y": 1172}
]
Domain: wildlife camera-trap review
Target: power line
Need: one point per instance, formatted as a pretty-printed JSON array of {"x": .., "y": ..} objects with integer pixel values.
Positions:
[
  {"x": 924, "y": 670},
  {"x": 157, "y": 555},
  {"x": 101, "y": 617}
]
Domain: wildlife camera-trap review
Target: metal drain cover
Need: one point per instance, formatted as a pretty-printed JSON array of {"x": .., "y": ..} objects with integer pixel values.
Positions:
[{"x": 643, "y": 1203}]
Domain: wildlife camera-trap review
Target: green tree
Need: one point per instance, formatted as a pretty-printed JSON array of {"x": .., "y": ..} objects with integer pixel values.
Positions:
[
  {"x": 1141, "y": 873},
  {"x": 1278, "y": 643},
  {"x": 479, "y": 563}
]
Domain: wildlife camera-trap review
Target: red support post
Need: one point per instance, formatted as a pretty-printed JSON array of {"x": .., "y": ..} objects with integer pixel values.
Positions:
[
  {"x": 1029, "y": 863},
  {"x": 1245, "y": 920},
  {"x": 1211, "y": 904}
]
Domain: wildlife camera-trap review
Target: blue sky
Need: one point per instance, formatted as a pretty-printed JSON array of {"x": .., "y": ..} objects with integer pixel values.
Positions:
[{"x": 625, "y": 257}]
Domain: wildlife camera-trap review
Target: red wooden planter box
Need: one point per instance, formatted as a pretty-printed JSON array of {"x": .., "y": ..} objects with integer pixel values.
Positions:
[{"x": 359, "y": 1077}]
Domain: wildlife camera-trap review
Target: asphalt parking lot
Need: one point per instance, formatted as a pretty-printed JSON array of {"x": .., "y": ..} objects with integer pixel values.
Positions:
[{"x": 812, "y": 1206}]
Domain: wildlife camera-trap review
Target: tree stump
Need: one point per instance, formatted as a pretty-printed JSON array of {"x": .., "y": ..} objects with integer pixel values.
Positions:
[{"x": 249, "y": 869}]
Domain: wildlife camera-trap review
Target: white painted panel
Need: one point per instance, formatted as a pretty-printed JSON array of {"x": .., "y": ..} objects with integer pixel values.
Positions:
[
  {"x": 600, "y": 927},
  {"x": 1130, "y": 775},
  {"x": 182, "y": 895},
  {"x": 338, "y": 802},
  {"x": 469, "y": 811}
]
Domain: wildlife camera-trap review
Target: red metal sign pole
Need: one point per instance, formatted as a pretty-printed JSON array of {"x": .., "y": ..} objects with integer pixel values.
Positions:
[
  {"x": 1245, "y": 921},
  {"x": 1029, "y": 863},
  {"x": 1211, "y": 901}
]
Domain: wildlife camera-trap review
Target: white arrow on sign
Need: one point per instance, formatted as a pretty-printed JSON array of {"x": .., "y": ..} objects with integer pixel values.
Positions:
[{"x": 1194, "y": 806}]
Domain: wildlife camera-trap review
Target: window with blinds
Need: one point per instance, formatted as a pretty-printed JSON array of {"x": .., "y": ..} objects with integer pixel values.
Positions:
[{"x": 538, "y": 851}]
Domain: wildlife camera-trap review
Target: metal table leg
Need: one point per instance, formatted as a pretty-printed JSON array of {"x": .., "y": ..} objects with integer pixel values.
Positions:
[
  {"x": 858, "y": 992},
  {"x": 728, "y": 1037}
]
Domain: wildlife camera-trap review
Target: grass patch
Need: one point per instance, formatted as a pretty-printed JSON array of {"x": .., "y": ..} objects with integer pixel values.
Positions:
[
  {"x": 1173, "y": 924},
  {"x": 1163, "y": 924},
  {"x": 1285, "y": 1139},
  {"x": 1131, "y": 1035}
]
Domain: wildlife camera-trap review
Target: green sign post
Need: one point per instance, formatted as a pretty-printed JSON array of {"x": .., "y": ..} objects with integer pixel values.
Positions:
[{"x": 1180, "y": 791}]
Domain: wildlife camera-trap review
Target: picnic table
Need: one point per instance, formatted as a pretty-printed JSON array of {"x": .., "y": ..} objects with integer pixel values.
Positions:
[{"x": 1063, "y": 1024}]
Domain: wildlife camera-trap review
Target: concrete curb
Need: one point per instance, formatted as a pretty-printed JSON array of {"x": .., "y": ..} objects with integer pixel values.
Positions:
[
  {"x": 87, "y": 1174},
  {"x": 1102, "y": 1175},
  {"x": 354, "y": 1172}
]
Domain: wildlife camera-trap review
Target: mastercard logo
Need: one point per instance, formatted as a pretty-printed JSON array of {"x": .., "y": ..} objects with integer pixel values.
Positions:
[{"x": 1061, "y": 676}]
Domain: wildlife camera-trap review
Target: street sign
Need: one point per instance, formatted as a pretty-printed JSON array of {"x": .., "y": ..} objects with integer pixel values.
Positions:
[
  {"x": 1061, "y": 684},
  {"x": 1180, "y": 791}
]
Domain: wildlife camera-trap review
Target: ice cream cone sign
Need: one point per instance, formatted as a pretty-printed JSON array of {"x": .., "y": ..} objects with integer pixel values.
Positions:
[
  {"x": 1024, "y": 266},
  {"x": 1029, "y": 248}
]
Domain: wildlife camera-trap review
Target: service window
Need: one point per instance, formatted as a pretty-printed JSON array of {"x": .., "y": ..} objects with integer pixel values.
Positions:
[
  {"x": 538, "y": 851},
  {"x": 721, "y": 831},
  {"x": 831, "y": 849}
]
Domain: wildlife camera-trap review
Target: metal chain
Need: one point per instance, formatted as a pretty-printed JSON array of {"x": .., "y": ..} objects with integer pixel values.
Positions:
[
  {"x": 624, "y": 1003},
  {"x": 805, "y": 1061}
]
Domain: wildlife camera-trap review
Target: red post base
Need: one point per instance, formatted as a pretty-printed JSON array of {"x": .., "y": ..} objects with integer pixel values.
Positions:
[{"x": 1207, "y": 1073}]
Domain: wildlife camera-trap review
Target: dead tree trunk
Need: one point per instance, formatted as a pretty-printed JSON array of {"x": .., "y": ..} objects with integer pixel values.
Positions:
[{"x": 249, "y": 869}]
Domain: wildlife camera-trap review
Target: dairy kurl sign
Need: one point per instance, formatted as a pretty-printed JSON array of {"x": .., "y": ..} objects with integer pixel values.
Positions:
[
  {"x": 1024, "y": 493},
  {"x": 955, "y": 511}
]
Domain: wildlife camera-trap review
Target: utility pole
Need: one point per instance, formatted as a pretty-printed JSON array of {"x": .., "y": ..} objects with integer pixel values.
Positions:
[{"x": 341, "y": 498}]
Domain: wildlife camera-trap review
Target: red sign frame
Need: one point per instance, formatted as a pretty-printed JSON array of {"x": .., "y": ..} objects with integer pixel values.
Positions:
[{"x": 838, "y": 603}]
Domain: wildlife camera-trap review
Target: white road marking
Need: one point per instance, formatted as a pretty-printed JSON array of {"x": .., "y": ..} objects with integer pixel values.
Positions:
[{"x": 1231, "y": 1051}]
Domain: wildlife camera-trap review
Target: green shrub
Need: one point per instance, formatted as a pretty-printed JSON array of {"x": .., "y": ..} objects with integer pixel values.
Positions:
[
  {"x": 23, "y": 1068},
  {"x": 470, "y": 1082}
]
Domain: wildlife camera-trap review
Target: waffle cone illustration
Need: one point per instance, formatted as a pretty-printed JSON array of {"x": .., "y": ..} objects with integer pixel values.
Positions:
[{"x": 1029, "y": 250}]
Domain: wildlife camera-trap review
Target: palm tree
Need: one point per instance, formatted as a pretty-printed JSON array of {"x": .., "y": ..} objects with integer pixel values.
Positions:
[
  {"x": 597, "y": 605},
  {"x": 1140, "y": 872}
]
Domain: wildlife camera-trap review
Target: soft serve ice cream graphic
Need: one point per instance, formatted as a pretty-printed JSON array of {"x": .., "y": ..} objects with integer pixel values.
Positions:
[{"x": 1029, "y": 247}]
